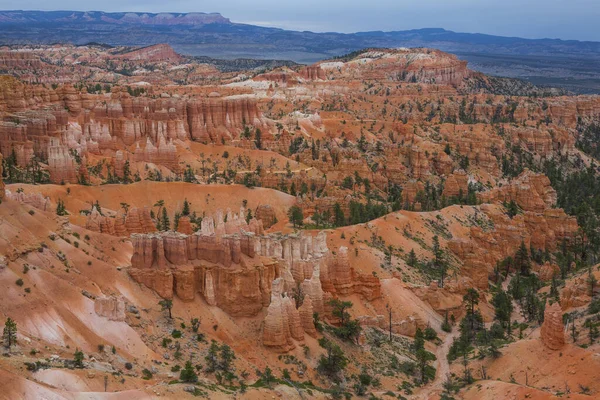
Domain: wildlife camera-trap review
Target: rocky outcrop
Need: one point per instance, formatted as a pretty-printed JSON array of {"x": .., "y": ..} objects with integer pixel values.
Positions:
[
  {"x": 110, "y": 307},
  {"x": 36, "y": 200},
  {"x": 457, "y": 184},
  {"x": 158, "y": 52},
  {"x": 185, "y": 226},
  {"x": 213, "y": 119},
  {"x": 218, "y": 267},
  {"x": 552, "y": 332},
  {"x": 306, "y": 312},
  {"x": 405, "y": 327},
  {"x": 577, "y": 292},
  {"x": 312, "y": 72},
  {"x": 266, "y": 214},
  {"x": 532, "y": 192},
  {"x": 484, "y": 247},
  {"x": 340, "y": 278},
  {"x": 548, "y": 271},
  {"x": 135, "y": 221},
  {"x": 2, "y": 193},
  {"x": 61, "y": 165},
  {"x": 276, "y": 329}
]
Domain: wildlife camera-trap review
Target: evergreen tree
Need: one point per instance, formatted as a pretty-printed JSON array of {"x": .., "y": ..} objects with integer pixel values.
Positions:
[
  {"x": 503, "y": 308},
  {"x": 165, "y": 224},
  {"x": 296, "y": 216},
  {"x": 60, "y": 208},
  {"x": 212, "y": 360},
  {"x": 412, "y": 259},
  {"x": 126, "y": 172},
  {"x": 338, "y": 215},
  {"x": 334, "y": 361},
  {"x": 78, "y": 358},
  {"x": 186, "y": 208},
  {"x": 187, "y": 374},
  {"x": 166, "y": 304},
  {"x": 522, "y": 261},
  {"x": 258, "y": 139},
  {"x": 9, "y": 334},
  {"x": 227, "y": 357}
]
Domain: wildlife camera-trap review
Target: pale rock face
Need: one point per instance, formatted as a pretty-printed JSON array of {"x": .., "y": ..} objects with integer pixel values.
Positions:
[
  {"x": 110, "y": 307},
  {"x": 62, "y": 166},
  {"x": 276, "y": 329},
  {"x": 33, "y": 199},
  {"x": 552, "y": 332},
  {"x": 306, "y": 312}
]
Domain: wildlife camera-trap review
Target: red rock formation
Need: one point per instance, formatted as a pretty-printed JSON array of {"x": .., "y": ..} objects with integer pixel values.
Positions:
[
  {"x": 111, "y": 307},
  {"x": 266, "y": 214},
  {"x": 484, "y": 248},
  {"x": 2, "y": 193},
  {"x": 62, "y": 166},
  {"x": 185, "y": 226},
  {"x": 312, "y": 72},
  {"x": 306, "y": 312},
  {"x": 552, "y": 332},
  {"x": 209, "y": 120},
  {"x": 235, "y": 282},
  {"x": 276, "y": 328},
  {"x": 341, "y": 279},
  {"x": 135, "y": 221},
  {"x": 33, "y": 199},
  {"x": 577, "y": 292},
  {"x": 456, "y": 184},
  {"x": 531, "y": 192},
  {"x": 157, "y": 52},
  {"x": 548, "y": 270}
]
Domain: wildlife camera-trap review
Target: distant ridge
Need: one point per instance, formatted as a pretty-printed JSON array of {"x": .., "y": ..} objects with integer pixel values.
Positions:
[
  {"x": 142, "y": 18},
  {"x": 570, "y": 64}
]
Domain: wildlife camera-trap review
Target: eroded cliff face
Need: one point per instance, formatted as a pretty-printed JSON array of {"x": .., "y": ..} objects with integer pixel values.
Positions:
[
  {"x": 135, "y": 221},
  {"x": 234, "y": 268},
  {"x": 532, "y": 192},
  {"x": 68, "y": 125},
  {"x": 540, "y": 226}
]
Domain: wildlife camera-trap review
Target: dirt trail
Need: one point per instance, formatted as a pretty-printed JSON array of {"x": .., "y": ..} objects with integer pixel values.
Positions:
[{"x": 442, "y": 367}]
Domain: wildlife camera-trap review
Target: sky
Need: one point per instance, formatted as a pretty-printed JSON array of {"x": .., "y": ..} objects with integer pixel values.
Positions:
[{"x": 564, "y": 19}]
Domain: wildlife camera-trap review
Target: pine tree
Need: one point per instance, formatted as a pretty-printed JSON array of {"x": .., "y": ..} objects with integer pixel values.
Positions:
[
  {"x": 296, "y": 216},
  {"x": 164, "y": 220},
  {"x": 186, "y": 208},
  {"x": 412, "y": 259},
  {"x": 522, "y": 259},
  {"x": 78, "y": 358},
  {"x": 9, "y": 335},
  {"x": 126, "y": 172},
  {"x": 60, "y": 208},
  {"x": 258, "y": 139},
  {"x": 166, "y": 304},
  {"x": 187, "y": 374},
  {"x": 338, "y": 215}
]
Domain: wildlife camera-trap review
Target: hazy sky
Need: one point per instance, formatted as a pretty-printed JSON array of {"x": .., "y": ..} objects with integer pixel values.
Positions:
[{"x": 565, "y": 19}]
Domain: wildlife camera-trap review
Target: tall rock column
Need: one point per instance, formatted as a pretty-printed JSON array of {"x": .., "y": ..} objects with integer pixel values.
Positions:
[
  {"x": 553, "y": 330},
  {"x": 276, "y": 330}
]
